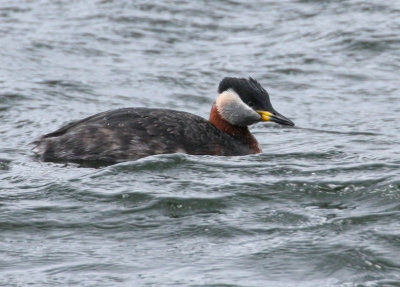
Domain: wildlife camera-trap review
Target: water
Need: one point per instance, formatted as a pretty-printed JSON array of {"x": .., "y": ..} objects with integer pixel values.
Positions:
[{"x": 320, "y": 206}]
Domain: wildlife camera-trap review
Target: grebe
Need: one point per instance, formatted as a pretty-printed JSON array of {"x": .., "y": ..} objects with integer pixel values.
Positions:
[{"x": 132, "y": 133}]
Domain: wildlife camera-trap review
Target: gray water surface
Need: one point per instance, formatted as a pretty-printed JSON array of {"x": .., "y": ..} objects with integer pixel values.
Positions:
[{"x": 319, "y": 207}]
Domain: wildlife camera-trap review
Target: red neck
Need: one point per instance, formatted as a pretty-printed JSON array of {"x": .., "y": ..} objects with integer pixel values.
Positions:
[{"x": 242, "y": 133}]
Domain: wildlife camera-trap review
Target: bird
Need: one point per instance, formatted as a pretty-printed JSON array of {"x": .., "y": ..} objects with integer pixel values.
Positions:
[{"x": 127, "y": 134}]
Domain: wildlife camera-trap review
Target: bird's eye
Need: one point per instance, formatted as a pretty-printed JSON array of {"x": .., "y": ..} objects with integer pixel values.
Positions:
[{"x": 250, "y": 104}]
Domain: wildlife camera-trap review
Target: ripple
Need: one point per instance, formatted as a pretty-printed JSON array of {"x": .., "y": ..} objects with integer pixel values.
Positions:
[
  {"x": 8, "y": 100},
  {"x": 375, "y": 45},
  {"x": 68, "y": 85},
  {"x": 82, "y": 267},
  {"x": 5, "y": 164},
  {"x": 156, "y": 162}
]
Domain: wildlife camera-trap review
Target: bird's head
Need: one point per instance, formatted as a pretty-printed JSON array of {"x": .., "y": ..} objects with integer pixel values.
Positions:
[{"x": 243, "y": 102}]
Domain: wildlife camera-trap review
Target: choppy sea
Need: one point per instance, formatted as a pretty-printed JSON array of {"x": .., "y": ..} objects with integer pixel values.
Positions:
[{"x": 319, "y": 207}]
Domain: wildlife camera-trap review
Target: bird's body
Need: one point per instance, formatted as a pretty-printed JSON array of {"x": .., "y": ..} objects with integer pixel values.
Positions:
[{"x": 132, "y": 133}]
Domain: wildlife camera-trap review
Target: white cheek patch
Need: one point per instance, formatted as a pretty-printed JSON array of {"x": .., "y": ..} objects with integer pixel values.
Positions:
[
  {"x": 226, "y": 97},
  {"x": 230, "y": 101},
  {"x": 232, "y": 109}
]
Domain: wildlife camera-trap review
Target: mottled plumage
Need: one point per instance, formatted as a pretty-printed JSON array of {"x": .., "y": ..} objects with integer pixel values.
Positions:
[{"x": 133, "y": 133}]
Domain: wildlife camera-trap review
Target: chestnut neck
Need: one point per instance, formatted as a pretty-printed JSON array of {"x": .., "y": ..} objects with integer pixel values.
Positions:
[{"x": 239, "y": 132}]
